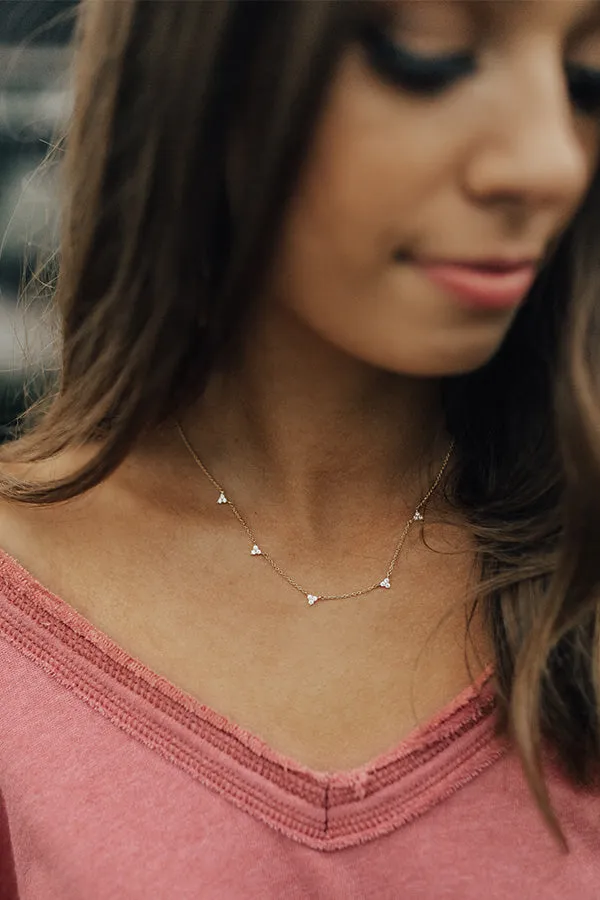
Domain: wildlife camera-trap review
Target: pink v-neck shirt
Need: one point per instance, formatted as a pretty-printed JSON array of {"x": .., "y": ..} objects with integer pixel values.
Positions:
[{"x": 115, "y": 785}]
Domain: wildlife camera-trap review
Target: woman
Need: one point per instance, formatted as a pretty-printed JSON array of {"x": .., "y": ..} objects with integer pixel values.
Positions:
[{"x": 301, "y": 555}]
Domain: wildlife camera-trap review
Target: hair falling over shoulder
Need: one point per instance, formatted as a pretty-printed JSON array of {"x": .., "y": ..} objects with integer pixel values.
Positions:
[{"x": 147, "y": 312}]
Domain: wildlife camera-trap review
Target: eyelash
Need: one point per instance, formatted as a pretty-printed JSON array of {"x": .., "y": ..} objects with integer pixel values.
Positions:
[
  {"x": 584, "y": 88},
  {"x": 433, "y": 75},
  {"x": 408, "y": 70}
]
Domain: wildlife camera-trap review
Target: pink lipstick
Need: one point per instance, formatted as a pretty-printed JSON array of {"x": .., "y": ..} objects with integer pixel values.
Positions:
[{"x": 487, "y": 285}]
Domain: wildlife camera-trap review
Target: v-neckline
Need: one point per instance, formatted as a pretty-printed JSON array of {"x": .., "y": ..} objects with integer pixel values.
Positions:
[{"x": 324, "y": 810}]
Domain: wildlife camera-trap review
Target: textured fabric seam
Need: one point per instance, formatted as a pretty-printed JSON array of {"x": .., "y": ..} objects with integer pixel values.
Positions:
[
  {"x": 168, "y": 747},
  {"x": 301, "y": 785}
]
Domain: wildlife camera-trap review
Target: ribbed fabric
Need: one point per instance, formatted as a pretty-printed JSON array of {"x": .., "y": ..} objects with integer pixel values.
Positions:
[{"x": 115, "y": 784}]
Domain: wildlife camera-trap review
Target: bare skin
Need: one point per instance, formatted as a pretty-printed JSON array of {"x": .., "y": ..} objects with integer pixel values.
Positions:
[
  {"x": 331, "y": 687},
  {"x": 329, "y": 430}
]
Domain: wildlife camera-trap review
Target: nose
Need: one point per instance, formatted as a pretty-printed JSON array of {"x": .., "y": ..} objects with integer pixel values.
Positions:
[{"x": 536, "y": 153}]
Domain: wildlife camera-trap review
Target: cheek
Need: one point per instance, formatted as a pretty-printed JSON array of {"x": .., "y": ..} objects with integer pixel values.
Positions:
[
  {"x": 374, "y": 164},
  {"x": 378, "y": 167},
  {"x": 351, "y": 201},
  {"x": 371, "y": 170},
  {"x": 372, "y": 185}
]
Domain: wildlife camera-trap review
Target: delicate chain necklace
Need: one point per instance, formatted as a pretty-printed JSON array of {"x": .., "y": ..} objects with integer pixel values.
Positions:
[{"x": 417, "y": 516}]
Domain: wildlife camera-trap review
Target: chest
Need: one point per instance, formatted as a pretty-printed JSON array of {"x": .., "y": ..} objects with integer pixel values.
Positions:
[{"x": 332, "y": 685}]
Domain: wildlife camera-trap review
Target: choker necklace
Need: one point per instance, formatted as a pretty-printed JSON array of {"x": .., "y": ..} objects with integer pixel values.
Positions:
[{"x": 256, "y": 550}]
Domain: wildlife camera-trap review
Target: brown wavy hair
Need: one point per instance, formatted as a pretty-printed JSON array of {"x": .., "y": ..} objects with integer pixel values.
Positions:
[{"x": 156, "y": 283}]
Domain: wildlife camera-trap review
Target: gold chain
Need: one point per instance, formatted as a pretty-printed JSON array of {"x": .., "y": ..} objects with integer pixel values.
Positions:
[{"x": 312, "y": 598}]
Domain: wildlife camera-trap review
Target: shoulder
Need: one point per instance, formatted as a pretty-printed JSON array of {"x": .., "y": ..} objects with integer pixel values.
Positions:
[{"x": 41, "y": 537}]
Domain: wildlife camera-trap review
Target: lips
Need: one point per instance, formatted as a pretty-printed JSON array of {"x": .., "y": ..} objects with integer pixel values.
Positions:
[{"x": 493, "y": 284}]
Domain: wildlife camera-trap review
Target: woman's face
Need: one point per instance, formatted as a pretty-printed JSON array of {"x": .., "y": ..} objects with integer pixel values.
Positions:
[{"x": 457, "y": 142}]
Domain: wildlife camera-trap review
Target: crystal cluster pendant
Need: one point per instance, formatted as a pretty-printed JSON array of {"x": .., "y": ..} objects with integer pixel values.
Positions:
[
  {"x": 385, "y": 583},
  {"x": 312, "y": 599},
  {"x": 418, "y": 516},
  {"x": 256, "y": 551},
  {"x": 222, "y": 498}
]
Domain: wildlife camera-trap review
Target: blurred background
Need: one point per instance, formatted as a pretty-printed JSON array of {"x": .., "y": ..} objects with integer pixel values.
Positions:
[{"x": 34, "y": 107}]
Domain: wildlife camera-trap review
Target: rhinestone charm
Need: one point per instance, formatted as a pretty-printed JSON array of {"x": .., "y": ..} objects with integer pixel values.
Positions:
[{"x": 385, "y": 584}]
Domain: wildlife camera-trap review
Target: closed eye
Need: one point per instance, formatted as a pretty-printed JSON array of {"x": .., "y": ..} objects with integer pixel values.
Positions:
[
  {"x": 413, "y": 71},
  {"x": 428, "y": 74},
  {"x": 584, "y": 88}
]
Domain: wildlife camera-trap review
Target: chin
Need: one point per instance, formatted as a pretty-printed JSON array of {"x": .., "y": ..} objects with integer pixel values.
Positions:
[
  {"x": 463, "y": 366},
  {"x": 445, "y": 359}
]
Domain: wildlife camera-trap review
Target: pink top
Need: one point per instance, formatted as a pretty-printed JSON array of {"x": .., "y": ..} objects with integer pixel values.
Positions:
[{"x": 114, "y": 785}]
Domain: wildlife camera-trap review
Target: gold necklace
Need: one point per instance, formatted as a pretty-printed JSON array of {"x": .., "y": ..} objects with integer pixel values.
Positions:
[{"x": 385, "y": 583}]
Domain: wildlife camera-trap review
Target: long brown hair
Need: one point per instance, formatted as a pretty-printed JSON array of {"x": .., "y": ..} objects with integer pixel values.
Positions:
[{"x": 157, "y": 281}]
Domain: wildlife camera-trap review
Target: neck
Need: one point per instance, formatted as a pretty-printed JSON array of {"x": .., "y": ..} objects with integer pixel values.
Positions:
[{"x": 301, "y": 420}]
